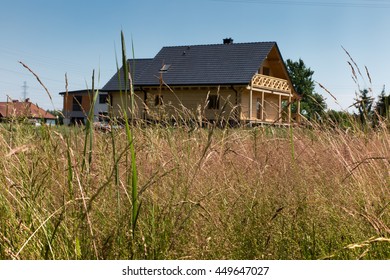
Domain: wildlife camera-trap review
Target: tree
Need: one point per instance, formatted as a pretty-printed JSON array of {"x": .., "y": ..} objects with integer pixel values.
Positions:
[
  {"x": 312, "y": 104},
  {"x": 59, "y": 115},
  {"x": 364, "y": 105},
  {"x": 340, "y": 119},
  {"x": 382, "y": 106}
]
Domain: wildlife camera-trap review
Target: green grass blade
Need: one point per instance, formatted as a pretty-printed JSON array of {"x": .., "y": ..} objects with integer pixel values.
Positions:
[{"x": 133, "y": 183}]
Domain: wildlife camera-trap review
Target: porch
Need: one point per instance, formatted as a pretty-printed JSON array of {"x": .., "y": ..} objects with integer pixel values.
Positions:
[{"x": 271, "y": 100}]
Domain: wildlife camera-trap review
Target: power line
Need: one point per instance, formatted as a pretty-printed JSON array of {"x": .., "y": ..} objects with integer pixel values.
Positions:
[
  {"x": 38, "y": 57},
  {"x": 344, "y": 4},
  {"x": 29, "y": 75}
]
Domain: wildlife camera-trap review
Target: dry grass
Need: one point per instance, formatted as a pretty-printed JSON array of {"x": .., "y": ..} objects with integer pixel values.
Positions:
[{"x": 223, "y": 194}]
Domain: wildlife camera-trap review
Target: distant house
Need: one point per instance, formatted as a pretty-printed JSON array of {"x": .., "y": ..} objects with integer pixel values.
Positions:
[
  {"x": 22, "y": 110},
  {"x": 250, "y": 78},
  {"x": 77, "y": 105}
]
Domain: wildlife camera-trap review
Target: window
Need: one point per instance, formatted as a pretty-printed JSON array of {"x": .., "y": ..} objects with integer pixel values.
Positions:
[
  {"x": 77, "y": 101},
  {"x": 103, "y": 117},
  {"x": 77, "y": 121},
  {"x": 158, "y": 100},
  {"x": 165, "y": 68},
  {"x": 266, "y": 71},
  {"x": 103, "y": 98},
  {"x": 213, "y": 102}
]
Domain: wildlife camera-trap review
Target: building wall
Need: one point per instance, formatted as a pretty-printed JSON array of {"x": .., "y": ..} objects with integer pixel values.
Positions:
[
  {"x": 68, "y": 99},
  {"x": 86, "y": 103},
  {"x": 100, "y": 107},
  {"x": 180, "y": 102},
  {"x": 256, "y": 96},
  {"x": 245, "y": 106},
  {"x": 271, "y": 106},
  {"x": 191, "y": 103},
  {"x": 119, "y": 104}
]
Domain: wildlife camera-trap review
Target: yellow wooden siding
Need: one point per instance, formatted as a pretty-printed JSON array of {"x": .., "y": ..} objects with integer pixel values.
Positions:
[
  {"x": 245, "y": 105},
  {"x": 118, "y": 104},
  {"x": 266, "y": 64},
  {"x": 191, "y": 103},
  {"x": 195, "y": 100},
  {"x": 275, "y": 63},
  {"x": 184, "y": 101},
  {"x": 271, "y": 107}
]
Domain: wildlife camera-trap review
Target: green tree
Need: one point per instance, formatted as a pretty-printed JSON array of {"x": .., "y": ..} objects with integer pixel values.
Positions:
[
  {"x": 382, "y": 106},
  {"x": 312, "y": 104},
  {"x": 59, "y": 115},
  {"x": 340, "y": 119},
  {"x": 364, "y": 105}
]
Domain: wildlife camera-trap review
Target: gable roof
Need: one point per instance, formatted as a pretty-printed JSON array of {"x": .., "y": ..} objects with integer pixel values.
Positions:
[
  {"x": 137, "y": 66},
  {"x": 16, "y": 109},
  {"x": 220, "y": 64}
]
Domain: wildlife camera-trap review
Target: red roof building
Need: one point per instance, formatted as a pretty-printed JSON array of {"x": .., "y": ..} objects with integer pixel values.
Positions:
[{"x": 17, "y": 109}]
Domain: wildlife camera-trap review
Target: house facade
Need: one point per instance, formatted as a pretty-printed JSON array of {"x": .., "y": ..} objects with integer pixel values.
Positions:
[
  {"x": 25, "y": 110},
  {"x": 245, "y": 83},
  {"x": 249, "y": 81},
  {"x": 77, "y": 105}
]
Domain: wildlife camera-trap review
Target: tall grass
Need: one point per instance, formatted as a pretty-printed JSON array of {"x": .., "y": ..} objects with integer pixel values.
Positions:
[
  {"x": 132, "y": 177},
  {"x": 220, "y": 199},
  {"x": 319, "y": 192}
]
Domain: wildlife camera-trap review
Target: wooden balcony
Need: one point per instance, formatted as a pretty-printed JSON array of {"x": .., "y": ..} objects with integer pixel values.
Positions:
[{"x": 270, "y": 83}]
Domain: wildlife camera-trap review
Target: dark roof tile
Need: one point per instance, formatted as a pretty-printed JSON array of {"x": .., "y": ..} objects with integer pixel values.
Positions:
[
  {"x": 199, "y": 65},
  {"x": 137, "y": 67},
  {"x": 207, "y": 64}
]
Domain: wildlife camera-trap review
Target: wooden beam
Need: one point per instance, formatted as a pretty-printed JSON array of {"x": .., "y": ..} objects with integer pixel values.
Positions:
[
  {"x": 299, "y": 111},
  {"x": 282, "y": 94},
  {"x": 280, "y": 108},
  {"x": 250, "y": 103},
  {"x": 258, "y": 89},
  {"x": 289, "y": 109},
  {"x": 262, "y": 106},
  {"x": 268, "y": 91}
]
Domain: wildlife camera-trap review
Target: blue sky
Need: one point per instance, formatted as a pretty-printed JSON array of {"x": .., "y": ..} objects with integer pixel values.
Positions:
[{"x": 54, "y": 37}]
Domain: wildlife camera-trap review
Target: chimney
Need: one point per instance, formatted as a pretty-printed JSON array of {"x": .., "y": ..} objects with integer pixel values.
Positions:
[{"x": 227, "y": 41}]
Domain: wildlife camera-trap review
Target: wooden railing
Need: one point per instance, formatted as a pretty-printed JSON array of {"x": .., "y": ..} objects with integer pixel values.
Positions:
[{"x": 271, "y": 83}]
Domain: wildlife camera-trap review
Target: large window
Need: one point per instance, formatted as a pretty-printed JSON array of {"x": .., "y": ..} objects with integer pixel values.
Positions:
[
  {"x": 213, "y": 102},
  {"x": 77, "y": 101}
]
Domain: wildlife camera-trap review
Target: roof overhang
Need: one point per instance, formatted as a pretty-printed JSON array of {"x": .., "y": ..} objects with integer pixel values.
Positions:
[{"x": 79, "y": 92}]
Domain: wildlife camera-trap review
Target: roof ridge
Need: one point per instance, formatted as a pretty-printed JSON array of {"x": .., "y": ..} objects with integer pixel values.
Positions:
[
  {"x": 220, "y": 44},
  {"x": 140, "y": 58}
]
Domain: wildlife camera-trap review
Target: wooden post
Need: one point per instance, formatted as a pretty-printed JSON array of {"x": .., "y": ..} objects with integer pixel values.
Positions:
[
  {"x": 289, "y": 108},
  {"x": 262, "y": 106},
  {"x": 250, "y": 103},
  {"x": 299, "y": 111},
  {"x": 280, "y": 108}
]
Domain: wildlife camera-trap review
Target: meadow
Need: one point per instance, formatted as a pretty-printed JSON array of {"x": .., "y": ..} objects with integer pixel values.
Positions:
[
  {"x": 164, "y": 191},
  {"x": 317, "y": 192}
]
